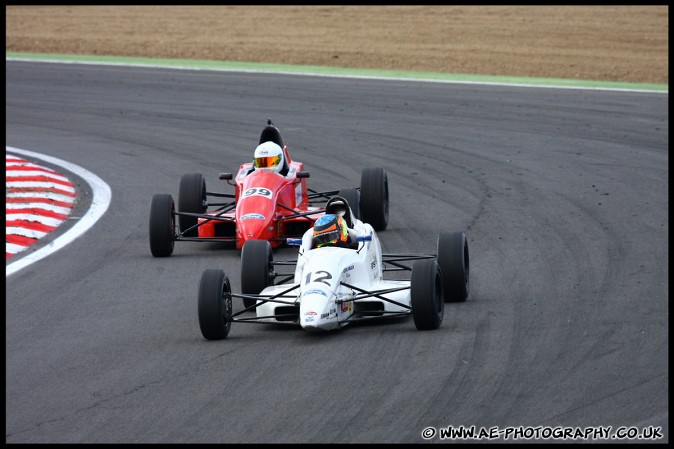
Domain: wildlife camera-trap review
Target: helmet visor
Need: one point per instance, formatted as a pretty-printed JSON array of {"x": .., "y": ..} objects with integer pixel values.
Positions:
[
  {"x": 326, "y": 238},
  {"x": 267, "y": 161}
]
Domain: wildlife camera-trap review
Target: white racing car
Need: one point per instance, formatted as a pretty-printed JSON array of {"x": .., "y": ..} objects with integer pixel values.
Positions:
[{"x": 334, "y": 286}]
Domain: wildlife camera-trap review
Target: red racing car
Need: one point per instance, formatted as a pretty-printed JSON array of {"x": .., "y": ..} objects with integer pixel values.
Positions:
[{"x": 268, "y": 204}]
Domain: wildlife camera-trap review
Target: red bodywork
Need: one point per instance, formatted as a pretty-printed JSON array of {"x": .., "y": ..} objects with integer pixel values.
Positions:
[{"x": 259, "y": 213}]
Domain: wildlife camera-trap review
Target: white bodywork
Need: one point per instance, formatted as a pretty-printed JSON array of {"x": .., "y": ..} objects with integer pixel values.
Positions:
[{"x": 320, "y": 273}]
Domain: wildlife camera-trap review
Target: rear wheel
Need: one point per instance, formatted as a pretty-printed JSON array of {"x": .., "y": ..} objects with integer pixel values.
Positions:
[
  {"x": 454, "y": 263},
  {"x": 428, "y": 308},
  {"x": 215, "y": 304},
  {"x": 374, "y": 197},
  {"x": 352, "y": 196},
  {"x": 257, "y": 269},
  {"x": 162, "y": 225},
  {"x": 192, "y": 199}
]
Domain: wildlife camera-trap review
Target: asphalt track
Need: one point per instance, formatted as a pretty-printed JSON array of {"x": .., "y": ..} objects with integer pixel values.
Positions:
[{"x": 562, "y": 193}]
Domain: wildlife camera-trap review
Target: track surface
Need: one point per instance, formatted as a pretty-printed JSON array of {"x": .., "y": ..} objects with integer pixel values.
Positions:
[{"x": 562, "y": 193}]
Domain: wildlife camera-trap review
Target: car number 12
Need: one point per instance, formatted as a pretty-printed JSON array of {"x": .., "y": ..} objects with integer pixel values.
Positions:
[{"x": 321, "y": 276}]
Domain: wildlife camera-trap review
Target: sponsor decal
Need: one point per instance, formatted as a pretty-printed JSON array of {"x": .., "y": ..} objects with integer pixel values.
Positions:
[
  {"x": 310, "y": 313},
  {"x": 348, "y": 269},
  {"x": 253, "y": 217},
  {"x": 346, "y": 307},
  {"x": 332, "y": 312},
  {"x": 315, "y": 291},
  {"x": 309, "y": 319}
]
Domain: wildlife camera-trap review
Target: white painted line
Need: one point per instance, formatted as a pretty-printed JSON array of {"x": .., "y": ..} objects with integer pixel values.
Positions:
[{"x": 100, "y": 202}]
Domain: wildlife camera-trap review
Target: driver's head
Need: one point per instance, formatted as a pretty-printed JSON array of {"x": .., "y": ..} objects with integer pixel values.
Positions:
[
  {"x": 268, "y": 156},
  {"x": 330, "y": 230}
]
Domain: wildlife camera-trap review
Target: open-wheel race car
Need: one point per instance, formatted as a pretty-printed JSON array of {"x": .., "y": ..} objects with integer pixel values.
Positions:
[
  {"x": 334, "y": 286},
  {"x": 270, "y": 205}
]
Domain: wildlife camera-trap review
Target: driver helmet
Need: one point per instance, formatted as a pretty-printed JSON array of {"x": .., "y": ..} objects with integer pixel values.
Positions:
[
  {"x": 268, "y": 155},
  {"x": 330, "y": 230}
]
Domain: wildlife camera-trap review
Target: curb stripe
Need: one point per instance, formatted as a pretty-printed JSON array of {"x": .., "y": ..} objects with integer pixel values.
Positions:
[
  {"x": 30, "y": 172},
  {"x": 100, "y": 201},
  {"x": 36, "y": 195},
  {"x": 38, "y": 184},
  {"x": 41, "y": 208},
  {"x": 31, "y": 233},
  {"x": 30, "y": 225},
  {"x": 27, "y": 218},
  {"x": 43, "y": 202},
  {"x": 43, "y": 192},
  {"x": 22, "y": 167},
  {"x": 33, "y": 212},
  {"x": 9, "y": 177},
  {"x": 19, "y": 240}
]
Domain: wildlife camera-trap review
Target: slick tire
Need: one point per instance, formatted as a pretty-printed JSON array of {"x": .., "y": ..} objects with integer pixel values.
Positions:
[
  {"x": 428, "y": 308},
  {"x": 256, "y": 268},
  {"x": 215, "y": 305},
  {"x": 454, "y": 262},
  {"x": 352, "y": 196},
  {"x": 162, "y": 225},
  {"x": 192, "y": 199},
  {"x": 374, "y": 197}
]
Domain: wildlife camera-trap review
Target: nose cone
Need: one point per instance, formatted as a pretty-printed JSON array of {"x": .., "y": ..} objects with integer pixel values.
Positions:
[
  {"x": 253, "y": 227},
  {"x": 316, "y": 312},
  {"x": 309, "y": 320}
]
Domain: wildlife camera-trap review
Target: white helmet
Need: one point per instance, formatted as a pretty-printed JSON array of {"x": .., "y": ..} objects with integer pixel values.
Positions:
[{"x": 269, "y": 156}]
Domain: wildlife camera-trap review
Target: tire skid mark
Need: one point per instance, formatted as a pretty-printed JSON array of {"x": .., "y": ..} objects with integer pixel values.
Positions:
[{"x": 37, "y": 201}]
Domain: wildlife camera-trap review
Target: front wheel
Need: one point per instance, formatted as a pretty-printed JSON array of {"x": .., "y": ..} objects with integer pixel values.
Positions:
[
  {"x": 215, "y": 304},
  {"x": 455, "y": 265},
  {"x": 257, "y": 269},
  {"x": 374, "y": 197},
  {"x": 162, "y": 225},
  {"x": 428, "y": 308}
]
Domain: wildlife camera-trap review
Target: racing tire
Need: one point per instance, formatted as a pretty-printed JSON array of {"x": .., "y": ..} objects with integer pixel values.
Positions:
[
  {"x": 215, "y": 304},
  {"x": 162, "y": 225},
  {"x": 428, "y": 308},
  {"x": 374, "y": 197},
  {"x": 352, "y": 196},
  {"x": 192, "y": 199},
  {"x": 454, "y": 262},
  {"x": 256, "y": 268}
]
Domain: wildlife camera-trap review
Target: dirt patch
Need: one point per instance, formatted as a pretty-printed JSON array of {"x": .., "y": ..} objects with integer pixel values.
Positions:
[{"x": 611, "y": 43}]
